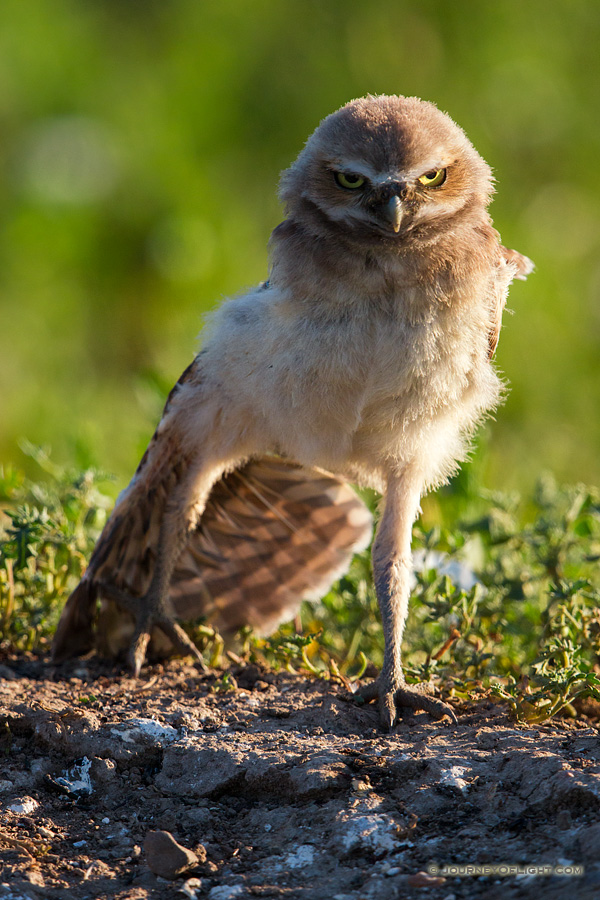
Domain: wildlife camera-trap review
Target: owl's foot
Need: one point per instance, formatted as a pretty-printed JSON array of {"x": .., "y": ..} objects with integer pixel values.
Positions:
[
  {"x": 146, "y": 620},
  {"x": 394, "y": 697},
  {"x": 150, "y": 613}
]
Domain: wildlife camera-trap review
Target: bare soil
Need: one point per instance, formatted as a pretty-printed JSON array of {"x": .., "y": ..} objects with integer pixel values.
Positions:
[{"x": 280, "y": 788}]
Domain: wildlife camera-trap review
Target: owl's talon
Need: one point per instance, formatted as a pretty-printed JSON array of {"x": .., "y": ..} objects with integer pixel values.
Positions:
[
  {"x": 408, "y": 698},
  {"x": 146, "y": 622},
  {"x": 149, "y": 614},
  {"x": 181, "y": 642},
  {"x": 136, "y": 655}
]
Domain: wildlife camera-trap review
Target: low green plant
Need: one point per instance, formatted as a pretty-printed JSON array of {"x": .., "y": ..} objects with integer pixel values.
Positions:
[
  {"x": 47, "y": 531},
  {"x": 506, "y": 595}
]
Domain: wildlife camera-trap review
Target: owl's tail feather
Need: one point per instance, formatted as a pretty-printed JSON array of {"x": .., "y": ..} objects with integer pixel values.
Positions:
[{"x": 272, "y": 534}]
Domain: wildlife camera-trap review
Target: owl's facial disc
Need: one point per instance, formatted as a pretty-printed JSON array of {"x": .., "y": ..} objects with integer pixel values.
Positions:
[{"x": 385, "y": 171}]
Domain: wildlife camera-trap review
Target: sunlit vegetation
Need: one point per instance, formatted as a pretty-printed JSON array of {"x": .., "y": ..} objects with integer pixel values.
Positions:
[{"x": 506, "y": 598}]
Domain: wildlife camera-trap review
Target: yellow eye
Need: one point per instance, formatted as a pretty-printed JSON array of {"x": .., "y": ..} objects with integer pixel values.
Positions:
[
  {"x": 433, "y": 179},
  {"x": 349, "y": 180}
]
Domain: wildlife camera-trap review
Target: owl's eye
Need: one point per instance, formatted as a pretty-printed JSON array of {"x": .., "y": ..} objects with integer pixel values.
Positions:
[
  {"x": 349, "y": 180},
  {"x": 433, "y": 179}
]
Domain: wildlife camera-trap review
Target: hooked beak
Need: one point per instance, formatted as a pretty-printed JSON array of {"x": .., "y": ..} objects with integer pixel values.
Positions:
[{"x": 393, "y": 212}]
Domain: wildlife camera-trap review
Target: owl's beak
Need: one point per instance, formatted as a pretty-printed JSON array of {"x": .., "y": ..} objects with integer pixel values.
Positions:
[{"x": 393, "y": 212}]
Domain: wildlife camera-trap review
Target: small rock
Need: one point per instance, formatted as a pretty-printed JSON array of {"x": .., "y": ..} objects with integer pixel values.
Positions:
[
  {"x": 359, "y": 785},
  {"x": 302, "y": 857},
  {"x": 453, "y": 777},
  {"x": 226, "y": 892},
  {"x": 277, "y": 712},
  {"x": 376, "y": 833},
  {"x": 166, "y": 857},
  {"x": 24, "y": 807},
  {"x": 184, "y": 720},
  {"x": 98, "y": 869},
  {"x": 35, "y": 877},
  {"x": 103, "y": 771},
  {"x": 200, "y": 852},
  {"x": 144, "y": 731},
  {"x": 191, "y": 888}
]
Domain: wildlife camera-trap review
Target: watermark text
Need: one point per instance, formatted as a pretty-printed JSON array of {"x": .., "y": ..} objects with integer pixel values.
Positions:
[{"x": 503, "y": 870}]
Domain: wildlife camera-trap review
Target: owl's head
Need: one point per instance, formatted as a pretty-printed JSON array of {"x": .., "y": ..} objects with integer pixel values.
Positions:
[{"x": 381, "y": 168}]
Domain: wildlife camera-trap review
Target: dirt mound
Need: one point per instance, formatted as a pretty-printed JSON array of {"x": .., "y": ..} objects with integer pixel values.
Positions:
[{"x": 280, "y": 788}]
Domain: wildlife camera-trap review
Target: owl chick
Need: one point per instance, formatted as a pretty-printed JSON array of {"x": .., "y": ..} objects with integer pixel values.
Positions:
[{"x": 365, "y": 358}]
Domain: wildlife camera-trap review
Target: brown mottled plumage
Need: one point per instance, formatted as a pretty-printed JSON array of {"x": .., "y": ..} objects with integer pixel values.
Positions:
[{"x": 366, "y": 356}]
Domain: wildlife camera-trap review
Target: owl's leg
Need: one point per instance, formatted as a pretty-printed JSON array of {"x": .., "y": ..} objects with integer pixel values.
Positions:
[
  {"x": 391, "y": 570},
  {"x": 155, "y": 609}
]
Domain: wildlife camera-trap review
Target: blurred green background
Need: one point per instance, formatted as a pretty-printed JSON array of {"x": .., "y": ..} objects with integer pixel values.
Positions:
[{"x": 141, "y": 142}]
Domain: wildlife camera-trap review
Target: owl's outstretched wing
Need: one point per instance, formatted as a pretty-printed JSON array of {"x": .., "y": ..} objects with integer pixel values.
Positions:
[
  {"x": 277, "y": 533},
  {"x": 514, "y": 265},
  {"x": 272, "y": 534}
]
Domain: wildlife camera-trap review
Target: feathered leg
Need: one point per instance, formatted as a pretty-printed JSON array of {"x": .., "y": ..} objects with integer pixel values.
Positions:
[
  {"x": 155, "y": 609},
  {"x": 391, "y": 571}
]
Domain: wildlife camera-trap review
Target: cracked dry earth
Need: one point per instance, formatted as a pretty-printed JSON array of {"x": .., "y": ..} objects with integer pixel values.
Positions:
[{"x": 112, "y": 787}]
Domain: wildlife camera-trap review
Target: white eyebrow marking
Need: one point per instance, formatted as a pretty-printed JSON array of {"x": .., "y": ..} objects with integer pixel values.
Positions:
[{"x": 356, "y": 166}]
